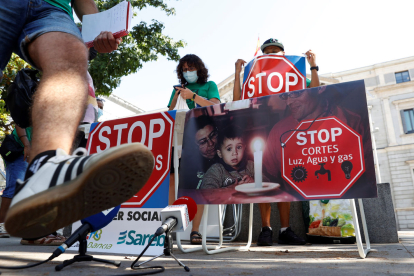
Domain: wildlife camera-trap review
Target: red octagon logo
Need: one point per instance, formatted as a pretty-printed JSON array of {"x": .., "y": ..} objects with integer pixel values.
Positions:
[
  {"x": 271, "y": 74},
  {"x": 153, "y": 130},
  {"x": 323, "y": 161}
]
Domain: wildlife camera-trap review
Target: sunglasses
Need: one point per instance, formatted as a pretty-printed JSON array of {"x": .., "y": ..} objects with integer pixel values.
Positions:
[{"x": 202, "y": 143}]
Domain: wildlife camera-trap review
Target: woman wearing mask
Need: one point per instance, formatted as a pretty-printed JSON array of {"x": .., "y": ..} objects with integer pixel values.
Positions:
[{"x": 197, "y": 91}]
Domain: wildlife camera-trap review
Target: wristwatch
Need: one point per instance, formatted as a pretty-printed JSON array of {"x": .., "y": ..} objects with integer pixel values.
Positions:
[
  {"x": 316, "y": 67},
  {"x": 194, "y": 95}
]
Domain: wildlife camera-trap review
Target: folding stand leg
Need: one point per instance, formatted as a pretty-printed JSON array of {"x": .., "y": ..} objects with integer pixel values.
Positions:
[
  {"x": 218, "y": 248},
  {"x": 362, "y": 252},
  {"x": 176, "y": 166}
]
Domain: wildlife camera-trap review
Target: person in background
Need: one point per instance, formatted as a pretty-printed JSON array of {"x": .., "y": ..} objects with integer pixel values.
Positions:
[
  {"x": 286, "y": 235},
  {"x": 197, "y": 91},
  {"x": 273, "y": 46},
  {"x": 100, "y": 106}
]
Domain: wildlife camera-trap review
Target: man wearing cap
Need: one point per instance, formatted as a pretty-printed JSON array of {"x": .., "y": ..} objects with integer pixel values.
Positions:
[
  {"x": 273, "y": 46},
  {"x": 286, "y": 235}
]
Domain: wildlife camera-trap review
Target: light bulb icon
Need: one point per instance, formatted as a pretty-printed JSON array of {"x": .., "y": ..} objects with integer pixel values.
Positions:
[{"x": 346, "y": 166}]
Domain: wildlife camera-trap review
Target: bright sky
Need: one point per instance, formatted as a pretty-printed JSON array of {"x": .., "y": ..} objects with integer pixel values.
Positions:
[{"x": 343, "y": 34}]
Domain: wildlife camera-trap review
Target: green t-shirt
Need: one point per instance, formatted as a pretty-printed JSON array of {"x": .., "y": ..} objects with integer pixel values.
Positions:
[
  {"x": 28, "y": 133},
  {"x": 206, "y": 90},
  {"x": 308, "y": 81},
  {"x": 63, "y": 4}
]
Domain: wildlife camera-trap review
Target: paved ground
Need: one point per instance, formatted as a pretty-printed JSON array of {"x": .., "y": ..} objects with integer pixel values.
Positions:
[{"x": 385, "y": 259}]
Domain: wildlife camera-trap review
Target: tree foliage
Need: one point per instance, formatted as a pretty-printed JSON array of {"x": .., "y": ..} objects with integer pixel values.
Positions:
[{"x": 144, "y": 43}]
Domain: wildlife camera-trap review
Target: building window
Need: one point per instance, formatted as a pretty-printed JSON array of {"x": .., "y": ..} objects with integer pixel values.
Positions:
[
  {"x": 408, "y": 120},
  {"x": 402, "y": 77}
]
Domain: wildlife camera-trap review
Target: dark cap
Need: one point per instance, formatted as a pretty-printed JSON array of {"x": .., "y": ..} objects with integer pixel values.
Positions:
[{"x": 272, "y": 42}]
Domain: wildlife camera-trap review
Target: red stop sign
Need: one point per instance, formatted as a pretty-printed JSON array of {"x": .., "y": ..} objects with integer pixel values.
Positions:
[
  {"x": 325, "y": 160},
  {"x": 153, "y": 130},
  {"x": 271, "y": 74}
]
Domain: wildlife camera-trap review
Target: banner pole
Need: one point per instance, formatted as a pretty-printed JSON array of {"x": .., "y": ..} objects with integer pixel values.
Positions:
[
  {"x": 218, "y": 248},
  {"x": 362, "y": 252}
]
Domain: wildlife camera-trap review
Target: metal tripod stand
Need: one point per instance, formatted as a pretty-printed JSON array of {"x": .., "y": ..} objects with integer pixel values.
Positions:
[
  {"x": 82, "y": 257},
  {"x": 168, "y": 249}
]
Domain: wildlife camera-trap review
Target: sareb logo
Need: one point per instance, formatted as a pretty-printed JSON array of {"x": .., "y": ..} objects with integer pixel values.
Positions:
[
  {"x": 131, "y": 237},
  {"x": 122, "y": 236}
]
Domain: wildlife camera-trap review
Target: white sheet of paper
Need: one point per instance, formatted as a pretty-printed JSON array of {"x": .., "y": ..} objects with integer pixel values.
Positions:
[{"x": 112, "y": 20}]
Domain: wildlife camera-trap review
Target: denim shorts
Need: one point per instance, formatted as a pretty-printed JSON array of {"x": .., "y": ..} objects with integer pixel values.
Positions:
[
  {"x": 22, "y": 21},
  {"x": 14, "y": 170}
]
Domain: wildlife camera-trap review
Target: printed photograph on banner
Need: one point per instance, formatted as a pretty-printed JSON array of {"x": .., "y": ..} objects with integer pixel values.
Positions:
[{"x": 307, "y": 144}]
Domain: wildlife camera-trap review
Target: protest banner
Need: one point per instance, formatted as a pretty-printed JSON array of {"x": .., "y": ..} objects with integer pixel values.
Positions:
[
  {"x": 128, "y": 233},
  {"x": 154, "y": 131},
  {"x": 271, "y": 74},
  {"x": 139, "y": 217},
  {"x": 306, "y": 144}
]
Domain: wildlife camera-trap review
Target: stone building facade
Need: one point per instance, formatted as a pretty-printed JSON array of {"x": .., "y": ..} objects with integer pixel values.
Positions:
[{"x": 390, "y": 96}]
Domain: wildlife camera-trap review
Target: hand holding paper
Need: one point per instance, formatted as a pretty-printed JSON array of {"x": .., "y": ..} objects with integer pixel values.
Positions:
[
  {"x": 106, "y": 28},
  {"x": 105, "y": 42}
]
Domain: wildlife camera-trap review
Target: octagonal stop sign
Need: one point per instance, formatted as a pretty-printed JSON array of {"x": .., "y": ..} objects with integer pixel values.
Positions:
[
  {"x": 153, "y": 130},
  {"x": 272, "y": 74},
  {"x": 323, "y": 161}
]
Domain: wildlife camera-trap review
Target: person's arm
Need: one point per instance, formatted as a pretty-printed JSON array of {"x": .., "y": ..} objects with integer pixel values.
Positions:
[
  {"x": 237, "y": 87},
  {"x": 21, "y": 132},
  {"x": 105, "y": 41},
  {"x": 188, "y": 94},
  {"x": 173, "y": 101},
  {"x": 212, "y": 178},
  {"x": 310, "y": 56},
  {"x": 84, "y": 7}
]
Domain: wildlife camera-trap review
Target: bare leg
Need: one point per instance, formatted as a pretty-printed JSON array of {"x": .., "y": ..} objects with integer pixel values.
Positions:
[
  {"x": 284, "y": 212},
  {"x": 197, "y": 220},
  {"x": 60, "y": 100},
  {"x": 265, "y": 210},
  {"x": 5, "y": 204},
  {"x": 171, "y": 193}
]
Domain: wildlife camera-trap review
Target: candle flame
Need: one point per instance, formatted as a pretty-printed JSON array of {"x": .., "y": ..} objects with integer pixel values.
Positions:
[{"x": 257, "y": 144}]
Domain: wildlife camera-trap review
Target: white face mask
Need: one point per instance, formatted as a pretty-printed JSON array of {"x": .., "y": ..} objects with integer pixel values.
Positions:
[{"x": 190, "y": 76}]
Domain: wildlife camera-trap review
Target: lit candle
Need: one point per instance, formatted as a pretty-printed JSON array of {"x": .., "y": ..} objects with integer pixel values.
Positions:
[{"x": 258, "y": 160}]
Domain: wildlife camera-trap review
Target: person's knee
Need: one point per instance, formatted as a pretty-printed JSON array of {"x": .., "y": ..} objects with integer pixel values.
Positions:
[{"x": 57, "y": 52}]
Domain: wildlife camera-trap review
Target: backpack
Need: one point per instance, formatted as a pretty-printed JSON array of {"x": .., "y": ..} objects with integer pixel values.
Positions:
[
  {"x": 10, "y": 150},
  {"x": 19, "y": 96}
]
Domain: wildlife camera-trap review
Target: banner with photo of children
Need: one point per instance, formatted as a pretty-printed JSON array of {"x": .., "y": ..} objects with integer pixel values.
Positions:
[{"x": 303, "y": 145}]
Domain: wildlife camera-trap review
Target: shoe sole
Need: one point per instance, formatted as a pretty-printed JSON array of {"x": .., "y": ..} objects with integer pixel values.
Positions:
[{"x": 109, "y": 182}]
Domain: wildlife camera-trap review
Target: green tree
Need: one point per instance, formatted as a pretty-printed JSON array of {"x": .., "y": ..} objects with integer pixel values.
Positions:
[{"x": 143, "y": 44}]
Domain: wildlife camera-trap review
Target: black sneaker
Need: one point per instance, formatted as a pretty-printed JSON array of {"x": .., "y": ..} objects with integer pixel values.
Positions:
[
  {"x": 265, "y": 237},
  {"x": 289, "y": 237}
]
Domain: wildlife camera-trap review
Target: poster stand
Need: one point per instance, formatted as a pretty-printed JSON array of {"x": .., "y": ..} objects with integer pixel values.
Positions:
[
  {"x": 362, "y": 252},
  {"x": 217, "y": 249}
]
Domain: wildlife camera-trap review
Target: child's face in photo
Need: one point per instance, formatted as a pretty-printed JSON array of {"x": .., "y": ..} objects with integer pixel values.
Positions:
[{"x": 232, "y": 151}]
